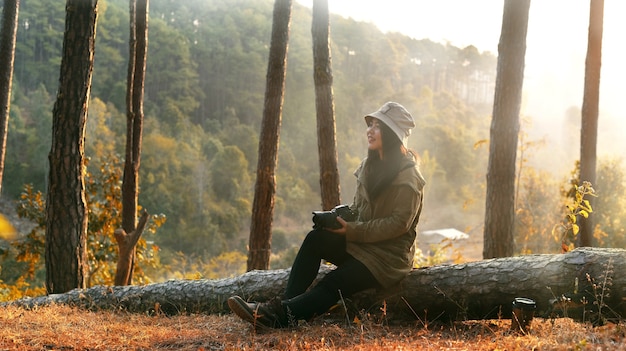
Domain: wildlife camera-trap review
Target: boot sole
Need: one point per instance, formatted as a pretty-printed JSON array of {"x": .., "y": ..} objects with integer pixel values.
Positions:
[{"x": 240, "y": 307}]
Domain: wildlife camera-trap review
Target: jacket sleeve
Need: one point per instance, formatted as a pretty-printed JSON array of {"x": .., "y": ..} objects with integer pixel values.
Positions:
[{"x": 405, "y": 206}]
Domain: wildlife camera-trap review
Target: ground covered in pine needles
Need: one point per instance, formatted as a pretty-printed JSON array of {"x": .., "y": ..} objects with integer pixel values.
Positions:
[{"x": 67, "y": 328}]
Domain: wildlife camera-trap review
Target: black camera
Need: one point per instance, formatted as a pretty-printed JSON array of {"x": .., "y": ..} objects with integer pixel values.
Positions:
[{"x": 328, "y": 219}]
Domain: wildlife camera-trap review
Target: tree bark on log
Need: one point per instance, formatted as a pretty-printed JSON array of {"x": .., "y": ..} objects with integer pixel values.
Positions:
[{"x": 476, "y": 290}]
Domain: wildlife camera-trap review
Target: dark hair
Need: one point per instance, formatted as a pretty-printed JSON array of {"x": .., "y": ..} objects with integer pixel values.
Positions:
[{"x": 379, "y": 173}]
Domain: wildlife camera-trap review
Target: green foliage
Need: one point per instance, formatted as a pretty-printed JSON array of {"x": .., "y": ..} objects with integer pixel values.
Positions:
[
  {"x": 103, "y": 195},
  {"x": 171, "y": 76},
  {"x": 230, "y": 174},
  {"x": 23, "y": 272},
  {"x": 112, "y": 43},
  {"x": 226, "y": 264},
  {"x": 536, "y": 200},
  {"x": 28, "y": 142},
  {"x": 537, "y": 207},
  {"x": 566, "y": 231},
  {"x": 30, "y": 250},
  {"x": 610, "y": 210},
  {"x": 203, "y": 186},
  {"x": 283, "y": 259},
  {"x": 38, "y": 44},
  {"x": 103, "y": 135},
  {"x": 245, "y": 139},
  {"x": 18, "y": 289},
  {"x": 204, "y": 96}
]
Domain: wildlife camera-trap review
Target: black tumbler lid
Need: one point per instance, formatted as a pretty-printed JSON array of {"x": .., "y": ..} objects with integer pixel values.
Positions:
[{"x": 524, "y": 303}]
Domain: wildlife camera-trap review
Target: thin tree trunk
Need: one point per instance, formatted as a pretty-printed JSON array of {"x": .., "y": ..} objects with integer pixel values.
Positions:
[
  {"x": 66, "y": 210},
  {"x": 10, "y": 14},
  {"x": 127, "y": 243},
  {"x": 265, "y": 188},
  {"x": 324, "y": 105},
  {"x": 138, "y": 47},
  {"x": 500, "y": 199},
  {"x": 589, "y": 124},
  {"x": 588, "y": 277}
]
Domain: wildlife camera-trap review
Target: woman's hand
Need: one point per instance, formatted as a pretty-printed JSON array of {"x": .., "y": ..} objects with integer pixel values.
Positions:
[{"x": 341, "y": 230}]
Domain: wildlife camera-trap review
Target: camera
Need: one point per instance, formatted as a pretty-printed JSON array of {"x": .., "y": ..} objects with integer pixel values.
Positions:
[{"x": 328, "y": 219}]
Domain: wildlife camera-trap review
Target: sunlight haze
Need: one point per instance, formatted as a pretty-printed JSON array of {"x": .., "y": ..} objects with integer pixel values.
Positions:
[{"x": 555, "y": 58}]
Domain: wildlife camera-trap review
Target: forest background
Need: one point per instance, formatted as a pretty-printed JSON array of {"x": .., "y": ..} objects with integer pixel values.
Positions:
[{"x": 204, "y": 94}]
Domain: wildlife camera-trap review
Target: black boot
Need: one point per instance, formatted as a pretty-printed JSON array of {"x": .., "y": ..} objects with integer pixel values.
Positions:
[{"x": 265, "y": 315}]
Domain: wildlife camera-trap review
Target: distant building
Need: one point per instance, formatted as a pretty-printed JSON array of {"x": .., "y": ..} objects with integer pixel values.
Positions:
[
  {"x": 456, "y": 245},
  {"x": 438, "y": 235}
]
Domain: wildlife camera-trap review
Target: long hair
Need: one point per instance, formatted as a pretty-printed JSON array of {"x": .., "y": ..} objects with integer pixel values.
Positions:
[{"x": 379, "y": 173}]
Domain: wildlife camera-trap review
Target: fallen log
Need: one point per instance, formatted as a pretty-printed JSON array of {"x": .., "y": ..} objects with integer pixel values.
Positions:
[
  {"x": 582, "y": 284},
  {"x": 170, "y": 297}
]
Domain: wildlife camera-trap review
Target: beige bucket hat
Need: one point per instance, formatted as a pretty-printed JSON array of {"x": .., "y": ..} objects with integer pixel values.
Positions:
[{"x": 396, "y": 117}]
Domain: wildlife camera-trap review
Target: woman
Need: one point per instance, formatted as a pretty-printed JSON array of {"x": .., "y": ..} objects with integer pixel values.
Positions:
[{"x": 374, "y": 251}]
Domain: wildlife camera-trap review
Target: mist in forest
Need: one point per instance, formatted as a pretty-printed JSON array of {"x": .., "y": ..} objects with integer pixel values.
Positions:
[
  {"x": 554, "y": 70},
  {"x": 555, "y": 61}
]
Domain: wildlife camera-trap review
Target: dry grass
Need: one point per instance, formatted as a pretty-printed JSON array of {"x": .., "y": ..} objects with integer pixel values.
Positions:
[{"x": 66, "y": 328}]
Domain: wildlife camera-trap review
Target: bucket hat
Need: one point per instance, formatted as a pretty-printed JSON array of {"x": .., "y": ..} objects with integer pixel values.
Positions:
[{"x": 396, "y": 117}]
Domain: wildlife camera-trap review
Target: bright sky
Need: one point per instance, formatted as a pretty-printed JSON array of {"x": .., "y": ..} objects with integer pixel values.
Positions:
[{"x": 555, "y": 55}]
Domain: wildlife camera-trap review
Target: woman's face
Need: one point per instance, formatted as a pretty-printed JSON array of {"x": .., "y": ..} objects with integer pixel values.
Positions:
[{"x": 374, "y": 136}]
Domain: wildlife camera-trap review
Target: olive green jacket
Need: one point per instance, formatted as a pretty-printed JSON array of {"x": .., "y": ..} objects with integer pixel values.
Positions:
[{"x": 383, "y": 236}]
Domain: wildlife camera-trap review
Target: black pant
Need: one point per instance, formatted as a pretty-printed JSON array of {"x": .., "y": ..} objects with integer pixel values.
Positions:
[{"x": 349, "y": 277}]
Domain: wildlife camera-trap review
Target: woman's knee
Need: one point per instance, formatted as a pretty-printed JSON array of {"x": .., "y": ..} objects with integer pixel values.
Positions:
[
  {"x": 350, "y": 277},
  {"x": 316, "y": 238},
  {"x": 324, "y": 245}
]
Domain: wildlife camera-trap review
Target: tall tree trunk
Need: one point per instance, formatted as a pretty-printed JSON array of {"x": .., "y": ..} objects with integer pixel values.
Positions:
[
  {"x": 589, "y": 123},
  {"x": 138, "y": 47},
  {"x": 500, "y": 199},
  {"x": 265, "y": 188},
  {"x": 66, "y": 210},
  {"x": 324, "y": 105},
  {"x": 7, "y": 57}
]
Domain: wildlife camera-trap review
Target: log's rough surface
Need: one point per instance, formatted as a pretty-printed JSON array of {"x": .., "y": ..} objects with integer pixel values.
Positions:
[
  {"x": 170, "y": 297},
  {"x": 580, "y": 281},
  {"x": 486, "y": 289}
]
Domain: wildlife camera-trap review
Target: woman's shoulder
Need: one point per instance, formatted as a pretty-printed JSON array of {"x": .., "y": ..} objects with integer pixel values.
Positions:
[
  {"x": 411, "y": 174},
  {"x": 359, "y": 169}
]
